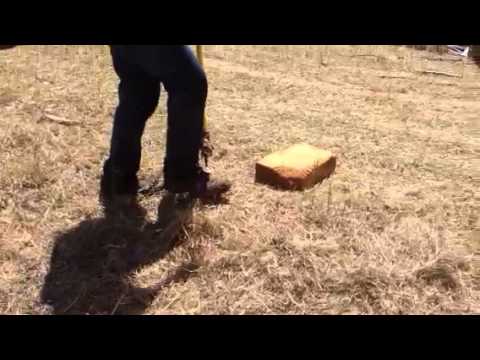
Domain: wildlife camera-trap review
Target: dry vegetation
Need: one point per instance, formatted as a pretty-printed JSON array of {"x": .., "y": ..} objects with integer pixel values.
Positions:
[{"x": 395, "y": 231}]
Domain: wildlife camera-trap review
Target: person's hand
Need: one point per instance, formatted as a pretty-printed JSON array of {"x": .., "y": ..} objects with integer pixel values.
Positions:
[{"x": 6, "y": 47}]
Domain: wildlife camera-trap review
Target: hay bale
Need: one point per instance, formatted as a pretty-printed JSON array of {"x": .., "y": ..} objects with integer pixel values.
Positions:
[{"x": 297, "y": 168}]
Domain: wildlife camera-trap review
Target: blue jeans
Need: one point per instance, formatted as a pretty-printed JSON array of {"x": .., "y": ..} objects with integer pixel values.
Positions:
[{"x": 141, "y": 69}]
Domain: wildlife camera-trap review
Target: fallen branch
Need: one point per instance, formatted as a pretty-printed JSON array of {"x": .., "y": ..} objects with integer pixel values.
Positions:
[
  {"x": 364, "y": 55},
  {"x": 394, "y": 77},
  {"x": 444, "y": 59},
  {"x": 59, "y": 120},
  {"x": 440, "y": 73}
]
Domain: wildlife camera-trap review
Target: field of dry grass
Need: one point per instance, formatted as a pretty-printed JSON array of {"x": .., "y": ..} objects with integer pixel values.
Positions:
[{"x": 394, "y": 231}]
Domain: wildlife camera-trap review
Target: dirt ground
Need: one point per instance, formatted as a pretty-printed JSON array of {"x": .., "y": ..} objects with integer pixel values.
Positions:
[{"x": 394, "y": 231}]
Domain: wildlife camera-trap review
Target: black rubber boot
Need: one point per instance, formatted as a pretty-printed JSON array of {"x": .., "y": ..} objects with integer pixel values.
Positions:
[
  {"x": 119, "y": 191},
  {"x": 201, "y": 187}
]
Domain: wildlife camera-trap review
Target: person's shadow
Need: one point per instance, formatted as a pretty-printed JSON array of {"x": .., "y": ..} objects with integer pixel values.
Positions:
[{"x": 92, "y": 264}]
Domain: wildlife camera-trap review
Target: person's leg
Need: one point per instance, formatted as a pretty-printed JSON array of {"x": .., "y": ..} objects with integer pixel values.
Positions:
[
  {"x": 186, "y": 83},
  {"x": 187, "y": 89},
  {"x": 138, "y": 98}
]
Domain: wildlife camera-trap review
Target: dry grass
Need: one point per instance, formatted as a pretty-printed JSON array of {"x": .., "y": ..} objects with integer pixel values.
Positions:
[{"x": 395, "y": 231}]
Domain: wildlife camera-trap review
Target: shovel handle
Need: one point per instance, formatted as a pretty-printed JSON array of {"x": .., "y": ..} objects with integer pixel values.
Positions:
[
  {"x": 199, "y": 49},
  {"x": 200, "y": 54}
]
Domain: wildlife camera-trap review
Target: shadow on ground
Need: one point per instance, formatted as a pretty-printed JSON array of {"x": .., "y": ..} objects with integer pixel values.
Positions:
[{"x": 92, "y": 264}]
